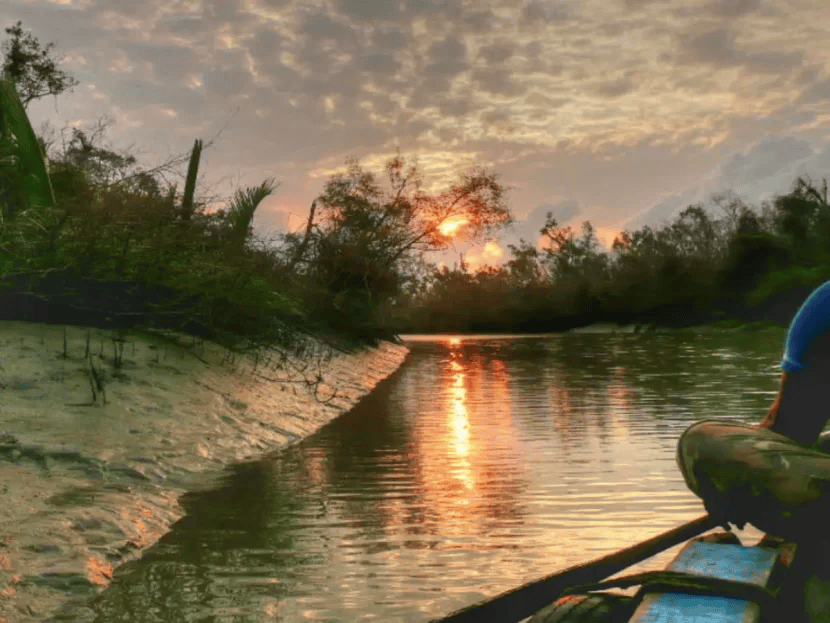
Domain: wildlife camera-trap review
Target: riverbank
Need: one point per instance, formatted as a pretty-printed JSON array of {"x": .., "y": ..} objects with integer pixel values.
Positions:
[
  {"x": 721, "y": 325},
  {"x": 101, "y": 432}
]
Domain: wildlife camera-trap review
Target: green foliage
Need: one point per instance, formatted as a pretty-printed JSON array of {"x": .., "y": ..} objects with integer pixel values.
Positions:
[
  {"x": 22, "y": 162},
  {"x": 363, "y": 241},
  {"x": 781, "y": 281},
  {"x": 31, "y": 68},
  {"x": 693, "y": 270},
  {"x": 103, "y": 167},
  {"x": 240, "y": 214}
]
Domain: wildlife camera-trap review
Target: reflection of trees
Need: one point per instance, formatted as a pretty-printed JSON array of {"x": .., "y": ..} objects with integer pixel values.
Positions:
[{"x": 247, "y": 527}]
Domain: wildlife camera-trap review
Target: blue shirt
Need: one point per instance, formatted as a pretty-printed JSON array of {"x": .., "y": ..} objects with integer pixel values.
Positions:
[{"x": 812, "y": 319}]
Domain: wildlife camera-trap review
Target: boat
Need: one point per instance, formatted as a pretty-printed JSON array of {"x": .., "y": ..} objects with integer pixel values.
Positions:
[{"x": 743, "y": 474}]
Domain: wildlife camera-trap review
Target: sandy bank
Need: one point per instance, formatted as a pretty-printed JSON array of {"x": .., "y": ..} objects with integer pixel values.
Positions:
[{"x": 100, "y": 433}]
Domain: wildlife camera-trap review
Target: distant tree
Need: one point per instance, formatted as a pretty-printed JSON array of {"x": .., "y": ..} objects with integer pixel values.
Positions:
[
  {"x": 694, "y": 235},
  {"x": 31, "y": 66},
  {"x": 361, "y": 238},
  {"x": 803, "y": 216},
  {"x": 239, "y": 215},
  {"x": 101, "y": 165},
  {"x": 524, "y": 264}
]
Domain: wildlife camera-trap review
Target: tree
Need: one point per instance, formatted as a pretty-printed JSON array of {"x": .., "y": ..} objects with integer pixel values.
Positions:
[
  {"x": 240, "y": 214},
  {"x": 101, "y": 165},
  {"x": 30, "y": 65},
  {"x": 694, "y": 235},
  {"x": 361, "y": 238},
  {"x": 524, "y": 266}
]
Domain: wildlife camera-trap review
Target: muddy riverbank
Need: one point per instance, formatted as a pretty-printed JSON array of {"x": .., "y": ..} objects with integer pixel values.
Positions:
[{"x": 100, "y": 433}]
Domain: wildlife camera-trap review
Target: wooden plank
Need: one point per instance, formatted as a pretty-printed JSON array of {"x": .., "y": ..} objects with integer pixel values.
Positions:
[{"x": 729, "y": 562}]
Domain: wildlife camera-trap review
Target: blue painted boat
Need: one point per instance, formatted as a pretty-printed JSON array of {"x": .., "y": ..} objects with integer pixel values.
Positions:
[
  {"x": 743, "y": 474},
  {"x": 713, "y": 579}
]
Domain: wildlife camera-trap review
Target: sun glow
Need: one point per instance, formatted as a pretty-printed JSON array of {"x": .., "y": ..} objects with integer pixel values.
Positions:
[{"x": 451, "y": 226}]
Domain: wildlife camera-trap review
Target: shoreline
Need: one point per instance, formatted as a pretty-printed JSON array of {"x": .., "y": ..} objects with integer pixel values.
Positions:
[
  {"x": 726, "y": 326},
  {"x": 101, "y": 431}
]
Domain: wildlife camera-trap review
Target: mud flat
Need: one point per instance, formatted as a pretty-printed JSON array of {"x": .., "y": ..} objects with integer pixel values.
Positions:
[{"x": 101, "y": 432}]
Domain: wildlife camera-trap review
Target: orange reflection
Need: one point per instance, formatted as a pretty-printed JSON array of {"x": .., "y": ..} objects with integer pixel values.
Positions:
[
  {"x": 455, "y": 478},
  {"x": 460, "y": 426},
  {"x": 620, "y": 404},
  {"x": 463, "y": 476}
]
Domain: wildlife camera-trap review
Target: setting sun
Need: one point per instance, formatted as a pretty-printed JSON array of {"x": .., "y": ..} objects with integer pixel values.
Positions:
[{"x": 451, "y": 226}]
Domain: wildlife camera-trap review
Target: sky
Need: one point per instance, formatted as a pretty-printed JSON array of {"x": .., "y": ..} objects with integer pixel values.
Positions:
[{"x": 621, "y": 112}]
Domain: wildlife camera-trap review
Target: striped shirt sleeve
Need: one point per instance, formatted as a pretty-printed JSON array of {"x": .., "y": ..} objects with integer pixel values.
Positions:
[{"x": 811, "y": 320}]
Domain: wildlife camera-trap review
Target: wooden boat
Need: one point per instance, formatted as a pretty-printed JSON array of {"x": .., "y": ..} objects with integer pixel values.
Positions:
[
  {"x": 742, "y": 473},
  {"x": 714, "y": 578}
]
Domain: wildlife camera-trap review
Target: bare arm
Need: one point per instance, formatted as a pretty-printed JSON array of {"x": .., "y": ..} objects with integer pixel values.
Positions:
[{"x": 769, "y": 420}]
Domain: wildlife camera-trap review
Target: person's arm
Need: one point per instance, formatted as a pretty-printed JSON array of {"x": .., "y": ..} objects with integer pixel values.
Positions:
[
  {"x": 812, "y": 319},
  {"x": 769, "y": 419}
]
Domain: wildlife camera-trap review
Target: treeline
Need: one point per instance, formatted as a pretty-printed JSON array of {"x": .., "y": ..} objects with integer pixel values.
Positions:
[
  {"x": 87, "y": 237},
  {"x": 733, "y": 262}
]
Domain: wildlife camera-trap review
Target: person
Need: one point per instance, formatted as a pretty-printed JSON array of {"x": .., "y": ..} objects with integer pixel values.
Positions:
[{"x": 802, "y": 406}]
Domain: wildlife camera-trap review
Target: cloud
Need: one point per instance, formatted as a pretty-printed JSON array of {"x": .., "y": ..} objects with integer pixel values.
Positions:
[
  {"x": 539, "y": 11},
  {"x": 563, "y": 211},
  {"x": 614, "y": 88},
  {"x": 265, "y": 48},
  {"x": 227, "y": 81},
  {"x": 447, "y": 57},
  {"x": 541, "y": 90},
  {"x": 716, "y": 47},
  {"x": 320, "y": 26},
  {"x": 379, "y": 63},
  {"x": 496, "y": 53},
  {"x": 665, "y": 209},
  {"x": 733, "y": 8},
  {"x": 369, "y": 10},
  {"x": 479, "y": 21},
  {"x": 271, "y": 220},
  {"x": 637, "y": 4},
  {"x": 816, "y": 92},
  {"x": 490, "y": 254},
  {"x": 497, "y": 80},
  {"x": 767, "y": 168},
  {"x": 389, "y": 39},
  {"x": 767, "y": 158}
]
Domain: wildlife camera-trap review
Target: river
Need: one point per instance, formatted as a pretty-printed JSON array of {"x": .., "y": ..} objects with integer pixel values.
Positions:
[{"x": 483, "y": 463}]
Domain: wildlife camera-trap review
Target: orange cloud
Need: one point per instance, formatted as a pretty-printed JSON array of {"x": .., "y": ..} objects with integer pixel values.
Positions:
[
  {"x": 606, "y": 235},
  {"x": 488, "y": 255}
]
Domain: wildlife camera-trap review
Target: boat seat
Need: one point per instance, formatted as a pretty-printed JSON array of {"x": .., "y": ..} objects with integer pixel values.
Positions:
[{"x": 739, "y": 566}]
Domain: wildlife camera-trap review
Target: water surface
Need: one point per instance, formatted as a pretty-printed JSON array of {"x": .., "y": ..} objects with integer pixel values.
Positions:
[{"x": 483, "y": 463}]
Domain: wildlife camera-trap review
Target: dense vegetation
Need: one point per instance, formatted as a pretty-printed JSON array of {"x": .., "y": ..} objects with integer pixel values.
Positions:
[
  {"x": 87, "y": 237},
  {"x": 744, "y": 263}
]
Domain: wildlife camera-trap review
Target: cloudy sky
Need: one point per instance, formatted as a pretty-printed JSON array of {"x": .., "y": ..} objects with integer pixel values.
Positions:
[{"x": 621, "y": 112}]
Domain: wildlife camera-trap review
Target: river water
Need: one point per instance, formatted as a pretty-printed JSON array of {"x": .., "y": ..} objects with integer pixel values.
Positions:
[{"x": 483, "y": 463}]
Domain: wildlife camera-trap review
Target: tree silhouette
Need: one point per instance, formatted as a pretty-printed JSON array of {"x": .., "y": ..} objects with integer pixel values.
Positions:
[{"x": 30, "y": 65}]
